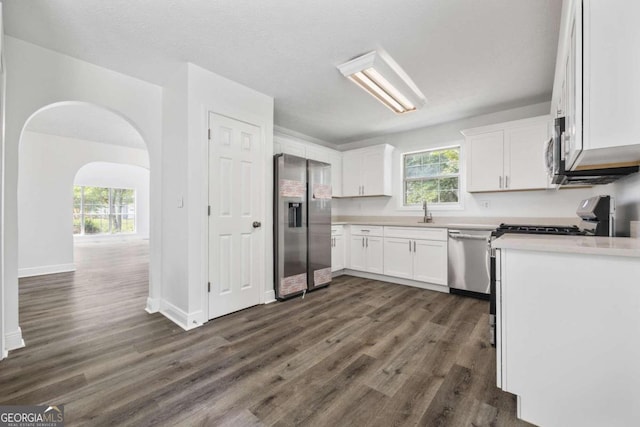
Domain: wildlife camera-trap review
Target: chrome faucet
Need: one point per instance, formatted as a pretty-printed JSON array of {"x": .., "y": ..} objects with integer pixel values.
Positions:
[{"x": 427, "y": 214}]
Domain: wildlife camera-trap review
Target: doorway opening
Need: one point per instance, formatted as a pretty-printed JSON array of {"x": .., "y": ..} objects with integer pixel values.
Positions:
[{"x": 83, "y": 208}]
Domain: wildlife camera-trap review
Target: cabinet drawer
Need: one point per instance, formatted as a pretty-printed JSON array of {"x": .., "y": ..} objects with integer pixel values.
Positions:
[
  {"x": 366, "y": 230},
  {"x": 416, "y": 233},
  {"x": 337, "y": 230}
]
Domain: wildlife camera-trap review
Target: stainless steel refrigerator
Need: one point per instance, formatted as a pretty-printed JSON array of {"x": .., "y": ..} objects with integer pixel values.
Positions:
[{"x": 302, "y": 225}]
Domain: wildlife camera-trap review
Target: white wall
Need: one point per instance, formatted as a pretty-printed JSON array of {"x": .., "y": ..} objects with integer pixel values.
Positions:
[
  {"x": 189, "y": 97},
  {"x": 545, "y": 203},
  {"x": 627, "y": 193},
  {"x": 175, "y": 138},
  {"x": 3, "y": 352},
  {"x": 47, "y": 167},
  {"x": 38, "y": 77},
  {"x": 117, "y": 175}
]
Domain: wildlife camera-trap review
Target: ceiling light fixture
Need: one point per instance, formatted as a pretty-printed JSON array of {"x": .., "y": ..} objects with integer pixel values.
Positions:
[{"x": 378, "y": 74}]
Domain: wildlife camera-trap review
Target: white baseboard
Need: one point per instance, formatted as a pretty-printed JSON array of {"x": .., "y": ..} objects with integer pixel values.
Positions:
[
  {"x": 45, "y": 269},
  {"x": 153, "y": 305},
  {"x": 270, "y": 296},
  {"x": 337, "y": 273},
  {"x": 397, "y": 280},
  {"x": 13, "y": 340},
  {"x": 186, "y": 321}
]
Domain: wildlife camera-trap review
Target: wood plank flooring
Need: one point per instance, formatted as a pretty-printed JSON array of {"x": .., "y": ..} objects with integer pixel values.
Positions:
[{"x": 360, "y": 353}]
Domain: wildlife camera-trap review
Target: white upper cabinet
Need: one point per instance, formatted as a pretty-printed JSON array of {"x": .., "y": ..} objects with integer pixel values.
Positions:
[
  {"x": 507, "y": 156},
  {"x": 485, "y": 160},
  {"x": 308, "y": 150},
  {"x": 367, "y": 171},
  {"x": 523, "y": 160},
  {"x": 596, "y": 82}
]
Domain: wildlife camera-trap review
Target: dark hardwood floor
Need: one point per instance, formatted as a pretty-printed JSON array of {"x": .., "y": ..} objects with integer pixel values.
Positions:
[{"x": 360, "y": 353}]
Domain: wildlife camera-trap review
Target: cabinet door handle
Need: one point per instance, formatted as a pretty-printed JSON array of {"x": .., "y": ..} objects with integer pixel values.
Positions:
[
  {"x": 500, "y": 180},
  {"x": 363, "y": 189},
  {"x": 409, "y": 245},
  {"x": 363, "y": 242},
  {"x": 506, "y": 181},
  {"x": 367, "y": 241},
  {"x": 414, "y": 246}
]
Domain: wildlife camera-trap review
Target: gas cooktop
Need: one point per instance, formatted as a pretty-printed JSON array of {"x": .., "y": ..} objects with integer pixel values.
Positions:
[{"x": 570, "y": 230}]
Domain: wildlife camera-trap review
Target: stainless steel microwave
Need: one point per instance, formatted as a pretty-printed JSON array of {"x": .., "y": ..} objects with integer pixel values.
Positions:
[{"x": 555, "y": 163}]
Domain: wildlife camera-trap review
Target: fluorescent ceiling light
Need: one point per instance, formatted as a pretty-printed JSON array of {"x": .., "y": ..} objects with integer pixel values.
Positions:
[{"x": 378, "y": 74}]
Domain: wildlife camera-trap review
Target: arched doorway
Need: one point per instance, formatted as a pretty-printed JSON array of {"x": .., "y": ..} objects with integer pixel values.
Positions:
[{"x": 57, "y": 144}]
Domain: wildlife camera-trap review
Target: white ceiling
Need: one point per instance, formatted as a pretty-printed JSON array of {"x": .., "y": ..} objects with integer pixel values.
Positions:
[
  {"x": 88, "y": 122},
  {"x": 468, "y": 57}
]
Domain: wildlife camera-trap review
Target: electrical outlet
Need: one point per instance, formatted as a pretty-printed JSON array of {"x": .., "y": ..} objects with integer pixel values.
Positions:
[{"x": 485, "y": 204}]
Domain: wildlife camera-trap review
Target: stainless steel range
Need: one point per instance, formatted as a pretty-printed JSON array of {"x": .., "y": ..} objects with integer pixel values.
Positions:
[{"x": 597, "y": 219}]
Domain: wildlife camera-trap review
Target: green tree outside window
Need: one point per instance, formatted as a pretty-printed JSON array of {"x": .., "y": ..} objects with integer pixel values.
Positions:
[
  {"x": 99, "y": 210},
  {"x": 432, "y": 176}
]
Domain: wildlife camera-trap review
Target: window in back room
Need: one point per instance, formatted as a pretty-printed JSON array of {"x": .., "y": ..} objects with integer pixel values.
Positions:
[{"x": 100, "y": 210}]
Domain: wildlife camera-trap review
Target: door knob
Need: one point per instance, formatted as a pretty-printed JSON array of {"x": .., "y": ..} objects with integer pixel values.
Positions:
[{"x": 256, "y": 224}]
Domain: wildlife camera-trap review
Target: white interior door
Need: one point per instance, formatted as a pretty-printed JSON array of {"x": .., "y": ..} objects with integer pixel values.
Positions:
[{"x": 236, "y": 198}]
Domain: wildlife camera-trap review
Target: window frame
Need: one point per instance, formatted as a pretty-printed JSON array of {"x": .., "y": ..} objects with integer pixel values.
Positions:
[
  {"x": 109, "y": 215},
  {"x": 459, "y": 205}
]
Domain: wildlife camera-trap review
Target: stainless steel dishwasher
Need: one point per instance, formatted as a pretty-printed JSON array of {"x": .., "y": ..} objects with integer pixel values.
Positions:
[{"x": 469, "y": 262}]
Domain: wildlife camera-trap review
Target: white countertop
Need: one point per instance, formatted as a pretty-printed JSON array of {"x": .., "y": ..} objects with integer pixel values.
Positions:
[
  {"x": 590, "y": 245},
  {"x": 461, "y": 226},
  {"x": 453, "y": 222}
]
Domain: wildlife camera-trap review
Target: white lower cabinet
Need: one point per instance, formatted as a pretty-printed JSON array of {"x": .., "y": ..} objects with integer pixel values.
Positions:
[
  {"x": 568, "y": 326},
  {"x": 430, "y": 262},
  {"x": 337, "y": 248},
  {"x": 421, "y": 258},
  {"x": 365, "y": 249},
  {"x": 413, "y": 253},
  {"x": 398, "y": 257}
]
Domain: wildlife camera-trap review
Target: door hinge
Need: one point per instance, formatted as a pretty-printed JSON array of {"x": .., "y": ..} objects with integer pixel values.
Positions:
[
  {"x": 209, "y": 134},
  {"x": 208, "y": 286},
  {"x": 209, "y": 210}
]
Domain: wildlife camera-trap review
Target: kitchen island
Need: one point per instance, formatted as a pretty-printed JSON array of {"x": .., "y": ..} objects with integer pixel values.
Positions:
[{"x": 568, "y": 323}]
